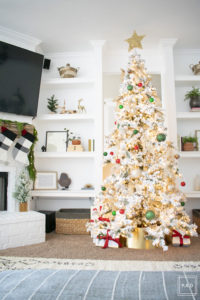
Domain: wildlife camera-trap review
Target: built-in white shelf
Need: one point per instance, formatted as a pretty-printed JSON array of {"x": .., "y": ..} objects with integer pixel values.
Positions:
[
  {"x": 60, "y": 117},
  {"x": 189, "y": 154},
  {"x": 192, "y": 194},
  {"x": 66, "y": 81},
  {"x": 188, "y": 115},
  {"x": 63, "y": 193},
  {"x": 85, "y": 154},
  {"x": 118, "y": 73},
  {"x": 187, "y": 79}
]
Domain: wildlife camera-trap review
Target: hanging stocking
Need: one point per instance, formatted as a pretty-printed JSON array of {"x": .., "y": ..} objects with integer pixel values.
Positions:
[
  {"x": 7, "y": 137},
  {"x": 22, "y": 147}
]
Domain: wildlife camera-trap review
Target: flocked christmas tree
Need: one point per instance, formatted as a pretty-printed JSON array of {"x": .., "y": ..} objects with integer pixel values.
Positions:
[{"x": 142, "y": 190}]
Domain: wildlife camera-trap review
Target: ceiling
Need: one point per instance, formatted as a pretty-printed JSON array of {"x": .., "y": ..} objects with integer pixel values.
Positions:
[{"x": 68, "y": 25}]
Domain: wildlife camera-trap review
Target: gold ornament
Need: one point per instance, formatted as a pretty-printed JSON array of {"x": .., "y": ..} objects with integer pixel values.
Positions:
[{"x": 135, "y": 41}]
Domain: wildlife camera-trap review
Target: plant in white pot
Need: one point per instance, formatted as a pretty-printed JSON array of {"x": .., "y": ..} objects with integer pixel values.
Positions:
[{"x": 22, "y": 190}]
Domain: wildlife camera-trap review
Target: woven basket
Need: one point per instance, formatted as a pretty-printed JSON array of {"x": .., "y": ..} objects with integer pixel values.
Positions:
[
  {"x": 196, "y": 218},
  {"x": 72, "y": 221},
  {"x": 67, "y": 72}
]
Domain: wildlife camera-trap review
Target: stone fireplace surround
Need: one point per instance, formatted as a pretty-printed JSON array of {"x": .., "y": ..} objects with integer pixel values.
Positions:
[
  {"x": 11, "y": 170},
  {"x": 17, "y": 228}
]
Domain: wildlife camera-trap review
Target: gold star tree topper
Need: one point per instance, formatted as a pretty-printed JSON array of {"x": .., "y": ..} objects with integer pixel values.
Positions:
[{"x": 135, "y": 41}]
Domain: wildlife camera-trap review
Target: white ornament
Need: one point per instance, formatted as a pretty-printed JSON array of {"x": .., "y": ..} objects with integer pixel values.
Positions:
[{"x": 136, "y": 173}]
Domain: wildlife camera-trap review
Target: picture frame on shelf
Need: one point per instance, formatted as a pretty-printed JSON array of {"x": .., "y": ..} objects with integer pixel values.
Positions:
[
  {"x": 56, "y": 141},
  {"x": 197, "y": 134},
  {"x": 46, "y": 181}
]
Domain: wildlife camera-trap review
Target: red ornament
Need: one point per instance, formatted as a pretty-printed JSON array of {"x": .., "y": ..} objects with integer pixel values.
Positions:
[
  {"x": 121, "y": 211},
  {"x": 94, "y": 209},
  {"x": 136, "y": 147},
  {"x": 140, "y": 84},
  {"x": 111, "y": 153},
  {"x": 91, "y": 221},
  {"x": 118, "y": 161},
  {"x": 183, "y": 183},
  {"x": 115, "y": 123}
]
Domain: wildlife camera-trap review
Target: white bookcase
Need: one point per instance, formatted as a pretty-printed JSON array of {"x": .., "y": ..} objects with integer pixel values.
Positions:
[
  {"x": 172, "y": 68},
  {"x": 187, "y": 122},
  {"x": 167, "y": 66},
  {"x": 82, "y": 167}
]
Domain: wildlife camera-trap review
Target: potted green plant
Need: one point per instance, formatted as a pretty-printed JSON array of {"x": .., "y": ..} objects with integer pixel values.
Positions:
[
  {"x": 194, "y": 97},
  {"x": 22, "y": 190},
  {"x": 189, "y": 143}
]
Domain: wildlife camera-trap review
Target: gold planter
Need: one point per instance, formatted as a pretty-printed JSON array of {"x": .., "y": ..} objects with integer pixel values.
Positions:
[
  {"x": 23, "y": 206},
  {"x": 137, "y": 240}
]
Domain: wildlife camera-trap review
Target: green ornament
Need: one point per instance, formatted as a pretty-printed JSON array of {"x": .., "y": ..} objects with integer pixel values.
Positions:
[
  {"x": 161, "y": 137},
  {"x": 150, "y": 215},
  {"x": 129, "y": 87},
  {"x": 103, "y": 188},
  {"x": 135, "y": 131},
  {"x": 118, "y": 126},
  {"x": 151, "y": 99},
  {"x": 105, "y": 153},
  {"x": 121, "y": 106},
  {"x": 114, "y": 213},
  {"x": 182, "y": 203}
]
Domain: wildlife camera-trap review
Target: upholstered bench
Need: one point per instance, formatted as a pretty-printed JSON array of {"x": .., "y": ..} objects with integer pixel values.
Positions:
[{"x": 21, "y": 229}]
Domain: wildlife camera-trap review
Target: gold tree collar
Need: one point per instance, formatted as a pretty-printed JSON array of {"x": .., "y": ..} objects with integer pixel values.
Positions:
[{"x": 135, "y": 41}]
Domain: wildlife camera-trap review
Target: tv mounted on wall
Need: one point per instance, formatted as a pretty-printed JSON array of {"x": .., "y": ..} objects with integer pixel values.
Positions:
[{"x": 20, "y": 76}]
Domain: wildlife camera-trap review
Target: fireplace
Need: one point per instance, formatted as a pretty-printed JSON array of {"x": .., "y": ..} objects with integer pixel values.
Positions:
[
  {"x": 3, "y": 190},
  {"x": 7, "y": 187}
]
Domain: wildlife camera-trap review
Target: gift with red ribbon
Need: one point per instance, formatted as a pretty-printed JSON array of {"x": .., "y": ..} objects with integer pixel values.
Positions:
[
  {"x": 180, "y": 240},
  {"x": 104, "y": 219},
  {"x": 107, "y": 239}
]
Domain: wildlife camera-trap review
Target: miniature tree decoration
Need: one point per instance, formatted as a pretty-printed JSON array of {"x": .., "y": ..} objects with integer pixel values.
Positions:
[
  {"x": 23, "y": 187},
  {"x": 52, "y": 104},
  {"x": 142, "y": 190}
]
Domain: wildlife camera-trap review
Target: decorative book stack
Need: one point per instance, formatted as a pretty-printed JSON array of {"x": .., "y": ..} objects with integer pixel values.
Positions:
[{"x": 91, "y": 145}]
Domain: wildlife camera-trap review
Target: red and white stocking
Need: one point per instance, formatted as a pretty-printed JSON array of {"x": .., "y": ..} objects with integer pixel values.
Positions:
[{"x": 22, "y": 147}]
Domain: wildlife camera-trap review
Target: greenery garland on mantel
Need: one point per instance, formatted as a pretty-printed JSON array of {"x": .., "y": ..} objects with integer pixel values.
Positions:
[{"x": 20, "y": 126}]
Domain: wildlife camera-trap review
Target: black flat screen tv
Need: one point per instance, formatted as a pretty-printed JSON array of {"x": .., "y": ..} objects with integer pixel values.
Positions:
[{"x": 20, "y": 76}]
